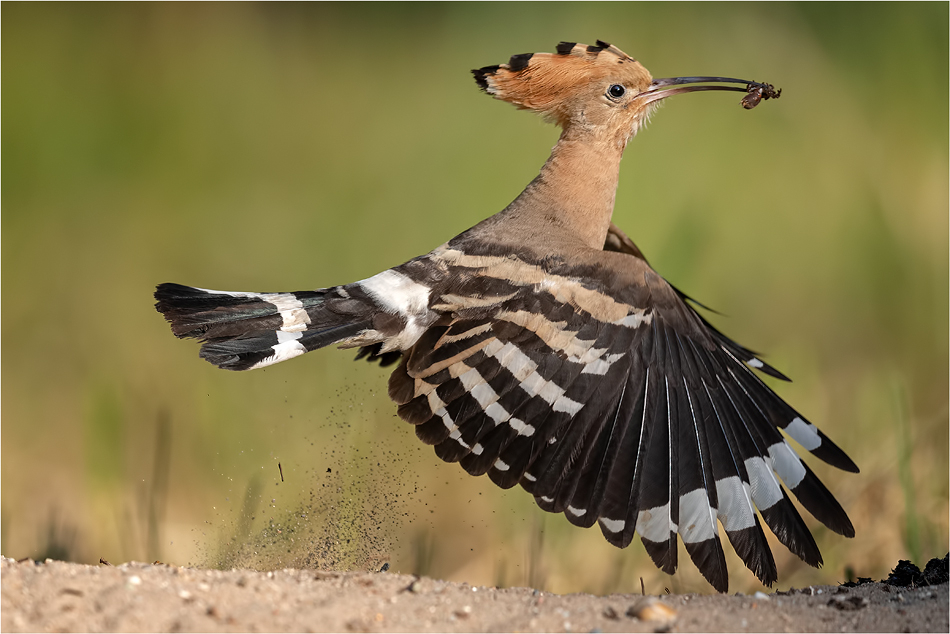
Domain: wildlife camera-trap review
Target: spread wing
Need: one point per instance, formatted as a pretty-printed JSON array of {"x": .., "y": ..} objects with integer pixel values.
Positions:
[{"x": 612, "y": 400}]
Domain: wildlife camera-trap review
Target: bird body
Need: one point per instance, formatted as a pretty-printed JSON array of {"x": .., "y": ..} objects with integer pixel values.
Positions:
[{"x": 541, "y": 348}]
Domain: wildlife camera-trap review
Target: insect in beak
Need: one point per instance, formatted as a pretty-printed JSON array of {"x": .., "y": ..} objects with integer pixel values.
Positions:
[{"x": 755, "y": 91}]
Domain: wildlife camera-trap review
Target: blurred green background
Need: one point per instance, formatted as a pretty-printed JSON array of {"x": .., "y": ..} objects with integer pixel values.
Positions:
[{"x": 285, "y": 147}]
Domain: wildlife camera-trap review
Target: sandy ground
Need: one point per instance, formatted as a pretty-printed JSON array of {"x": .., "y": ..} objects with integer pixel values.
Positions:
[{"x": 59, "y": 596}]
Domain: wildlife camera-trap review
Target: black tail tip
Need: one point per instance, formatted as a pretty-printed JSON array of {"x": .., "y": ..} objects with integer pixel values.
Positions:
[{"x": 170, "y": 290}]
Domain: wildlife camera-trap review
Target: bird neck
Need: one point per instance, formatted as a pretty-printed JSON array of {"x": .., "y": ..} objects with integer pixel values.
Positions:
[{"x": 576, "y": 188}]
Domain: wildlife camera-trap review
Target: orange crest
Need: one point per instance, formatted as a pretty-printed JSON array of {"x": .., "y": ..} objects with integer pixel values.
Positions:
[{"x": 552, "y": 83}]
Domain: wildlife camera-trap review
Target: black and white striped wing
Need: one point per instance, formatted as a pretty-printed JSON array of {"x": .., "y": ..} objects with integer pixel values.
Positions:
[{"x": 618, "y": 406}]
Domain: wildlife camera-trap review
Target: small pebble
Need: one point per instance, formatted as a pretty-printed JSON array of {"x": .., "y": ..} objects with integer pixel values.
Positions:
[
  {"x": 848, "y": 603},
  {"x": 652, "y": 610}
]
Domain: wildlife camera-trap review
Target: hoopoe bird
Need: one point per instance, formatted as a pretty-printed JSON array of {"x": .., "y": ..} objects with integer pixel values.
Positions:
[{"x": 539, "y": 346}]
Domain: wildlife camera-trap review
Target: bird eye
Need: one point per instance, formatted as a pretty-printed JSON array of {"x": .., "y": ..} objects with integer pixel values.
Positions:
[{"x": 616, "y": 91}]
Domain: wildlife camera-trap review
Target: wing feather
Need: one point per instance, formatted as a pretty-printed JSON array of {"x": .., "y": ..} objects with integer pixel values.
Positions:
[{"x": 651, "y": 422}]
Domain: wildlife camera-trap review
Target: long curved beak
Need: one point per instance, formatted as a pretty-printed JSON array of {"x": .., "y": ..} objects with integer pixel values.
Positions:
[{"x": 755, "y": 91}]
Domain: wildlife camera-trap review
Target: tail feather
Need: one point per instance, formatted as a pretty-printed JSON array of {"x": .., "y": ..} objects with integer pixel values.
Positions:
[
  {"x": 262, "y": 348},
  {"x": 243, "y": 331}
]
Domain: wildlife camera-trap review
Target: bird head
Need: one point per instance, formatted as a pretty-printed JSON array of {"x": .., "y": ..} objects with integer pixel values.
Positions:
[{"x": 595, "y": 89}]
